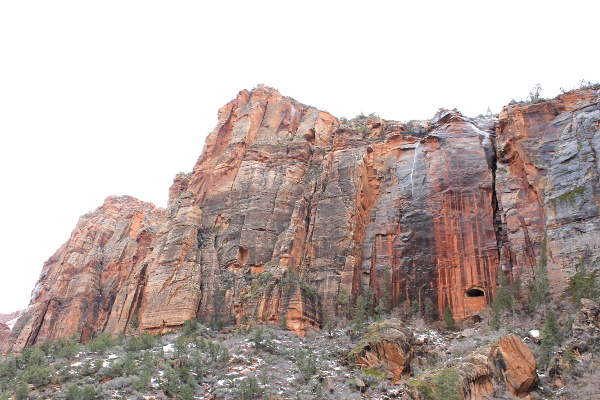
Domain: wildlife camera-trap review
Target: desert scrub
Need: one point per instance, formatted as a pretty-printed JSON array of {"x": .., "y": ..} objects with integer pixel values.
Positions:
[
  {"x": 443, "y": 384},
  {"x": 376, "y": 373}
]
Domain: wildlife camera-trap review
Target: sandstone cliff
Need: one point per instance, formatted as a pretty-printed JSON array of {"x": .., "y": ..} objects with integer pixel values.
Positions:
[
  {"x": 288, "y": 208},
  {"x": 548, "y": 184}
]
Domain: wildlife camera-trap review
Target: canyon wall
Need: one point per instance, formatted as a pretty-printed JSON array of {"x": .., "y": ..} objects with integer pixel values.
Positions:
[
  {"x": 289, "y": 210},
  {"x": 548, "y": 186}
]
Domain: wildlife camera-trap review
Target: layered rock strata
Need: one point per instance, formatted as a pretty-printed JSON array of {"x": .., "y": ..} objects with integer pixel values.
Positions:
[
  {"x": 548, "y": 184},
  {"x": 289, "y": 210},
  {"x": 88, "y": 285}
]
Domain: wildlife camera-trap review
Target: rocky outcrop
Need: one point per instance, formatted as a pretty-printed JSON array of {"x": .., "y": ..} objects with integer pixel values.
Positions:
[
  {"x": 547, "y": 185},
  {"x": 387, "y": 344},
  {"x": 288, "y": 209},
  {"x": 506, "y": 367},
  {"x": 586, "y": 328},
  {"x": 84, "y": 286}
]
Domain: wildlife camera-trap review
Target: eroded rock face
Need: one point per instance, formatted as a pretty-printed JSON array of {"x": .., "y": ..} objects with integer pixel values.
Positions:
[
  {"x": 84, "y": 287},
  {"x": 504, "y": 368},
  {"x": 547, "y": 185},
  {"x": 586, "y": 327},
  {"x": 387, "y": 343},
  {"x": 288, "y": 208}
]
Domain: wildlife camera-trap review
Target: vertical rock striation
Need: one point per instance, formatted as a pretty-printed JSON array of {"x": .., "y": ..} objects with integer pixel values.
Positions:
[
  {"x": 288, "y": 209},
  {"x": 82, "y": 287},
  {"x": 548, "y": 184}
]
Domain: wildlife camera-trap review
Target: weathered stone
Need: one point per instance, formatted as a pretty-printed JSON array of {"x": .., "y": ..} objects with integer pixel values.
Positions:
[
  {"x": 389, "y": 344},
  {"x": 287, "y": 209},
  {"x": 586, "y": 328},
  {"x": 547, "y": 182},
  {"x": 506, "y": 367},
  {"x": 85, "y": 287}
]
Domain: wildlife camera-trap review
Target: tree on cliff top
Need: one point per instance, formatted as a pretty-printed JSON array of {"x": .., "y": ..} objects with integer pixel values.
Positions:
[{"x": 536, "y": 93}]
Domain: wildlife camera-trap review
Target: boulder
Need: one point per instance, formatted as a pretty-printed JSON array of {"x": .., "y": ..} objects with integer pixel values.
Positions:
[
  {"x": 387, "y": 343},
  {"x": 504, "y": 368}
]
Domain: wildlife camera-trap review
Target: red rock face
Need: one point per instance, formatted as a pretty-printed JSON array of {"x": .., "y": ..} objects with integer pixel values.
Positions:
[
  {"x": 287, "y": 208},
  {"x": 79, "y": 284},
  {"x": 548, "y": 184}
]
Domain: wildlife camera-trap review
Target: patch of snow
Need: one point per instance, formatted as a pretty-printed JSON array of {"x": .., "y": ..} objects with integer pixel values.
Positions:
[
  {"x": 534, "y": 333},
  {"x": 168, "y": 348}
]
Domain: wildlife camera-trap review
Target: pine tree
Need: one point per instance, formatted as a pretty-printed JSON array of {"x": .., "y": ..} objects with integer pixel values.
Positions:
[
  {"x": 386, "y": 290},
  {"x": 550, "y": 338},
  {"x": 539, "y": 289},
  {"x": 430, "y": 311},
  {"x": 550, "y": 332},
  {"x": 449, "y": 318},
  {"x": 415, "y": 309},
  {"x": 186, "y": 393},
  {"x": 360, "y": 313},
  {"x": 344, "y": 299},
  {"x": 368, "y": 297},
  {"x": 495, "y": 318},
  {"x": 518, "y": 287},
  {"x": 503, "y": 299},
  {"x": 583, "y": 285}
]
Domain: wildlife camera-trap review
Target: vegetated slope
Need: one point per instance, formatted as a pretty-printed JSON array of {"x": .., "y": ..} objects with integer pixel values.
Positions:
[{"x": 290, "y": 214}]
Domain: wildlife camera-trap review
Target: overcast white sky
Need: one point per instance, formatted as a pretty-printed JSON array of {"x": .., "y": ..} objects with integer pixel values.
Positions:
[{"x": 116, "y": 97}]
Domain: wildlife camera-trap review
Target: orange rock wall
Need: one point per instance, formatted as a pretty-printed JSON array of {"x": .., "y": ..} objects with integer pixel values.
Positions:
[
  {"x": 547, "y": 185},
  {"x": 287, "y": 208}
]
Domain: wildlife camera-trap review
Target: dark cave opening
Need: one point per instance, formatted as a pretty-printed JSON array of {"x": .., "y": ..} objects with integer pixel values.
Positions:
[{"x": 475, "y": 292}]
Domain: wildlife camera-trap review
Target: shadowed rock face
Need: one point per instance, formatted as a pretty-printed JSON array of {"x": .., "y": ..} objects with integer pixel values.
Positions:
[{"x": 288, "y": 207}]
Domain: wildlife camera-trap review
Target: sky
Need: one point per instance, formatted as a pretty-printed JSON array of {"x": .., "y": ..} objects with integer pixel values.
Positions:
[{"x": 117, "y": 97}]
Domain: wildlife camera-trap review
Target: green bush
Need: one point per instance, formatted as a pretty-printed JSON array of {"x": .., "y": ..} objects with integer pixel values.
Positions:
[
  {"x": 22, "y": 392},
  {"x": 190, "y": 327},
  {"x": 143, "y": 342},
  {"x": 170, "y": 381},
  {"x": 583, "y": 285},
  {"x": 87, "y": 393},
  {"x": 65, "y": 347},
  {"x": 37, "y": 375},
  {"x": 249, "y": 388},
  {"x": 262, "y": 338},
  {"x": 102, "y": 343},
  {"x": 307, "y": 363}
]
